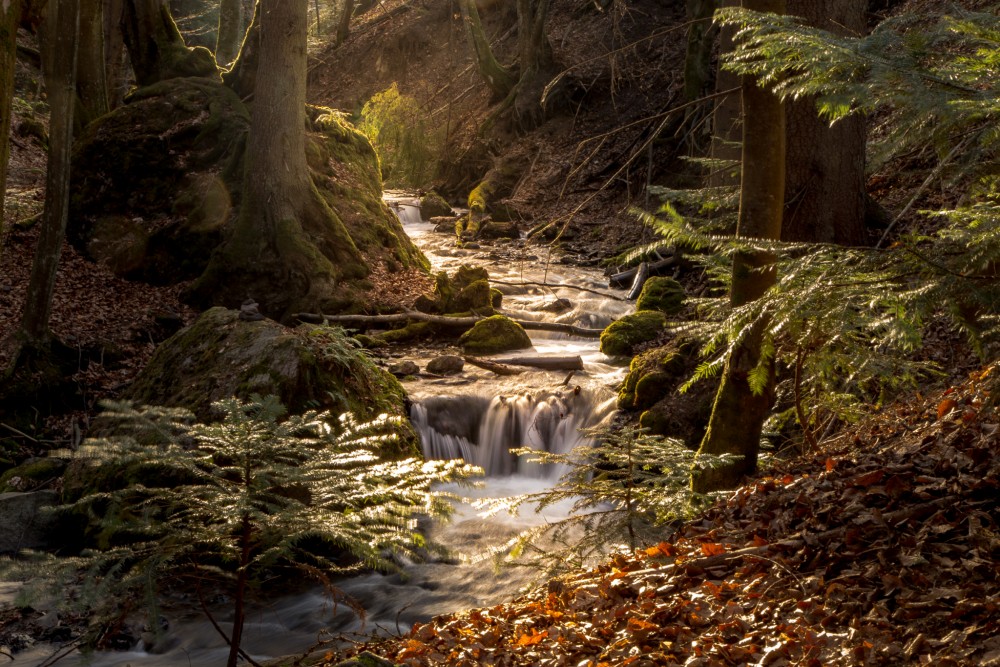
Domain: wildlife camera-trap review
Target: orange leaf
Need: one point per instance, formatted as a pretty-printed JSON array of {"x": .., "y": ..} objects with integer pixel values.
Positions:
[
  {"x": 946, "y": 406},
  {"x": 712, "y": 549},
  {"x": 830, "y": 464},
  {"x": 869, "y": 479},
  {"x": 639, "y": 625},
  {"x": 759, "y": 541},
  {"x": 533, "y": 638}
]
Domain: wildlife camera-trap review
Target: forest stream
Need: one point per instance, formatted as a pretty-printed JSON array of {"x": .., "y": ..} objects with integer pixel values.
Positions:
[{"x": 477, "y": 416}]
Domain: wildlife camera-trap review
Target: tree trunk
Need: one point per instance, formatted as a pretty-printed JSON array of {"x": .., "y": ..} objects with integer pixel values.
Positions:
[
  {"x": 535, "y": 61},
  {"x": 239, "y": 597},
  {"x": 10, "y": 16},
  {"x": 157, "y": 49},
  {"x": 499, "y": 79},
  {"x": 738, "y": 413},
  {"x": 344, "y": 24},
  {"x": 288, "y": 250},
  {"x": 700, "y": 39},
  {"x": 727, "y": 124},
  {"x": 91, "y": 77},
  {"x": 114, "y": 52},
  {"x": 60, "y": 64},
  {"x": 230, "y": 36},
  {"x": 825, "y": 186},
  {"x": 242, "y": 76}
]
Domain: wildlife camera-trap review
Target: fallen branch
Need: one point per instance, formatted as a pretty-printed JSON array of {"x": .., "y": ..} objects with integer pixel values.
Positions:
[
  {"x": 574, "y": 363},
  {"x": 574, "y": 287},
  {"x": 492, "y": 366},
  {"x": 627, "y": 278},
  {"x": 467, "y": 322}
]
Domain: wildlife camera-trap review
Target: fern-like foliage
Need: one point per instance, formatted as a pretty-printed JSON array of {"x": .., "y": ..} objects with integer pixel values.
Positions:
[
  {"x": 936, "y": 86},
  {"x": 251, "y": 493},
  {"x": 621, "y": 492}
]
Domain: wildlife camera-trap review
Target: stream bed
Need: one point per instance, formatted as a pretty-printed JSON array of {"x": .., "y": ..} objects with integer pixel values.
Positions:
[{"x": 476, "y": 415}]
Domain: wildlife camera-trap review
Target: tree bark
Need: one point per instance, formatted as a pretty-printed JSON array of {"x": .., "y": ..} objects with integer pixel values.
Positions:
[
  {"x": 231, "y": 33},
  {"x": 499, "y": 79},
  {"x": 534, "y": 60},
  {"x": 700, "y": 39},
  {"x": 727, "y": 122},
  {"x": 60, "y": 64},
  {"x": 344, "y": 23},
  {"x": 825, "y": 185},
  {"x": 287, "y": 251},
  {"x": 738, "y": 413},
  {"x": 91, "y": 77},
  {"x": 242, "y": 76},
  {"x": 10, "y": 16},
  {"x": 114, "y": 52},
  {"x": 157, "y": 49}
]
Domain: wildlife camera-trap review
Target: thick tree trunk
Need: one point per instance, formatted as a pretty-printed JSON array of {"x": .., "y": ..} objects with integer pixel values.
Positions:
[
  {"x": 231, "y": 33},
  {"x": 535, "y": 61},
  {"x": 288, "y": 250},
  {"x": 825, "y": 186},
  {"x": 738, "y": 413},
  {"x": 60, "y": 64},
  {"x": 114, "y": 52},
  {"x": 91, "y": 77},
  {"x": 10, "y": 15},
  {"x": 499, "y": 79},
  {"x": 157, "y": 49}
]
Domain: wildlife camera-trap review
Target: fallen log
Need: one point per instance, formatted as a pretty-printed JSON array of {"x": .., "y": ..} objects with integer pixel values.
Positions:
[
  {"x": 467, "y": 322},
  {"x": 574, "y": 363},
  {"x": 492, "y": 366},
  {"x": 526, "y": 283},
  {"x": 626, "y": 278},
  {"x": 641, "y": 275}
]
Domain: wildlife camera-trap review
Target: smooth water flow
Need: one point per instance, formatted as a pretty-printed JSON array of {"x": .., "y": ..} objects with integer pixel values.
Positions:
[{"x": 477, "y": 417}]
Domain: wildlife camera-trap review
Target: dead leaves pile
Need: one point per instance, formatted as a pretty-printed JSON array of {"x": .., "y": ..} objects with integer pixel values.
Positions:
[{"x": 885, "y": 553}]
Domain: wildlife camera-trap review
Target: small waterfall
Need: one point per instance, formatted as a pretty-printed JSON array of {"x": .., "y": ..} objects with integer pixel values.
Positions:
[
  {"x": 482, "y": 430},
  {"x": 408, "y": 214}
]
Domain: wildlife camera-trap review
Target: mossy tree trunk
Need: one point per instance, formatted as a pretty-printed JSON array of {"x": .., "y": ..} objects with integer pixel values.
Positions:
[
  {"x": 739, "y": 412},
  {"x": 230, "y": 35},
  {"x": 287, "y": 250},
  {"x": 10, "y": 16},
  {"x": 155, "y": 45},
  {"x": 534, "y": 59},
  {"x": 59, "y": 63},
  {"x": 242, "y": 76},
  {"x": 499, "y": 79}
]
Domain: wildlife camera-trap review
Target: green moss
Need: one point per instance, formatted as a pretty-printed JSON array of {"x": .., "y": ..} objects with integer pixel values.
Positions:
[
  {"x": 621, "y": 337},
  {"x": 496, "y": 298},
  {"x": 663, "y": 294},
  {"x": 412, "y": 331},
  {"x": 494, "y": 334},
  {"x": 474, "y": 298},
  {"x": 480, "y": 196},
  {"x": 433, "y": 205},
  {"x": 31, "y": 474}
]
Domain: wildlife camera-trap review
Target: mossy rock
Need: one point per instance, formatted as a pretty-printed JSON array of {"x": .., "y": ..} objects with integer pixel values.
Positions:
[
  {"x": 496, "y": 298},
  {"x": 219, "y": 356},
  {"x": 663, "y": 294},
  {"x": 32, "y": 474},
  {"x": 494, "y": 334},
  {"x": 623, "y": 335},
  {"x": 466, "y": 291},
  {"x": 682, "y": 416},
  {"x": 474, "y": 298},
  {"x": 410, "y": 332},
  {"x": 433, "y": 205},
  {"x": 167, "y": 163},
  {"x": 654, "y": 373}
]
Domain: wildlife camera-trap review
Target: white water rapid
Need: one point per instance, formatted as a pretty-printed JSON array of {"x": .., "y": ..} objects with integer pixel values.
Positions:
[{"x": 476, "y": 416}]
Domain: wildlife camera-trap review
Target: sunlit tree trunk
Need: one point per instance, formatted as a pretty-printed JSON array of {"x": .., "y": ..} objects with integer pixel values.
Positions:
[
  {"x": 231, "y": 32},
  {"x": 287, "y": 250},
  {"x": 59, "y": 62},
  {"x": 738, "y": 413},
  {"x": 344, "y": 24},
  {"x": 242, "y": 76},
  {"x": 10, "y": 15},
  {"x": 499, "y": 79}
]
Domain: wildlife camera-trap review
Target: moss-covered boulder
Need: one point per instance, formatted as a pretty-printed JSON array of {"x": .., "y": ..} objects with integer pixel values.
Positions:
[
  {"x": 35, "y": 473},
  {"x": 623, "y": 335},
  {"x": 466, "y": 291},
  {"x": 663, "y": 294},
  {"x": 433, "y": 205},
  {"x": 494, "y": 334},
  {"x": 308, "y": 367}
]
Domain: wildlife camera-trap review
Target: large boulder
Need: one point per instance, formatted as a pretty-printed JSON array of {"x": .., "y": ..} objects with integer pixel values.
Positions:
[
  {"x": 493, "y": 335},
  {"x": 623, "y": 335},
  {"x": 23, "y": 525},
  {"x": 220, "y": 355},
  {"x": 663, "y": 294},
  {"x": 433, "y": 205}
]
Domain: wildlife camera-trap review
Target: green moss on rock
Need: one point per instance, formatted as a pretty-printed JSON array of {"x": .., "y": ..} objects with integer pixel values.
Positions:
[
  {"x": 494, "y": 334},
  {"x": 623, "y": 335},
  {"x": 663, "y": 294},
  {"x": 32, "y": 474},
  {"x": 433, "y": 205},
  {"x": 655, "y": 372}
]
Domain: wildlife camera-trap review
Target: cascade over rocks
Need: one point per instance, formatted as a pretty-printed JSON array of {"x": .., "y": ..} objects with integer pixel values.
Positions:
[{"x": 308, "y": 367}]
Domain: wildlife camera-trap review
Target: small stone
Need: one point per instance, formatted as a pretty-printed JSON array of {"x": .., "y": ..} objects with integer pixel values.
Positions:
[
  {"x": 249, "y": 312},
  {"x": 448, "y": 364},
  {"x": 404, "y": 368},
  {"x": 558, "y": 306}
]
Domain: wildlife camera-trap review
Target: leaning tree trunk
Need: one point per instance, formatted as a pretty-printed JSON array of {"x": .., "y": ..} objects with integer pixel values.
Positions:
[
  {"x": 10, "y": 15},
  {"x": 91, "y": 78},
  {"x": 499, "y": 79},
  {"x": 825, "y": 186},
  {"x": 230, "y": 35},
  {"x": 155, "y": 45},
  {"x": 288, "y": 250},
  {"x": 738, "y": 413},
  {"x": 59, "y": 63}
]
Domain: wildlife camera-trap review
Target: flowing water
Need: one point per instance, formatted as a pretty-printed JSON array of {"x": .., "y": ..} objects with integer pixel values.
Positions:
[{"x": 476, "y": 416}]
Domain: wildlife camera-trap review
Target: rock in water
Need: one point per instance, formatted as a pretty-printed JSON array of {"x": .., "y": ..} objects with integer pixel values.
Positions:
[{"x": 448, "y": 364}]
